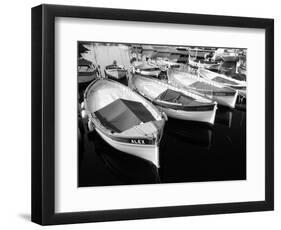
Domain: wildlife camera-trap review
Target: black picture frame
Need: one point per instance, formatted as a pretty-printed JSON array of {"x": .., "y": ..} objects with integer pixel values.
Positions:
[{"x": 43, "y": 110}]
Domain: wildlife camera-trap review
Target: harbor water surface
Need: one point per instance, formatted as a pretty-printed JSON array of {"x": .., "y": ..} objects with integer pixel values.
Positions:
[{"x": 189, "y": 152}]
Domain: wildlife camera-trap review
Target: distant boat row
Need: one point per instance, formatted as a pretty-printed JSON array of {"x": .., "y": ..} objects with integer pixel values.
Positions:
[{"x": 175, "y": 102}]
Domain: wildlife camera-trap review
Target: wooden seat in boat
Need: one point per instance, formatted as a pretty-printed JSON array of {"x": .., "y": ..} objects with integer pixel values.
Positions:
[{"x": 143, "y": 129}]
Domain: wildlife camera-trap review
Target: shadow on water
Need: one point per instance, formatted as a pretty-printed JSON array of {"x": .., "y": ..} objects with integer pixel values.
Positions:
[
  {"x": 100, "y": 165},
  {"x": 205, "y": 154},
  {"x": 194, "y": 133}
]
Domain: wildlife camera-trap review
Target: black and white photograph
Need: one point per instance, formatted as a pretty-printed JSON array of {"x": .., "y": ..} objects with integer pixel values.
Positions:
[
  {"x": 156, "y": 113},
  {"x": 141, "y": 114}
]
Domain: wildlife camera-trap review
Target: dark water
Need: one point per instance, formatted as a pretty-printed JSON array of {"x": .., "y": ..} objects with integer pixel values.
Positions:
[{"x": 188, "y": 152}]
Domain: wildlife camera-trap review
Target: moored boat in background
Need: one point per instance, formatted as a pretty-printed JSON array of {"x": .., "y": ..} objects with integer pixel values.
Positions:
[
  {"x": 164, "y": 64},
  {"x": 213, "y": 90},
  {"x": 176, "y": 103},
  {"x": 86, "y": 71},
  {"x": 124, "y": 119},
  {"x": 200, "y": 63},
  {"x": 115, "y": 72},
  {"x": 241, "y": 86},
  {"x": 147, "y": 69}
]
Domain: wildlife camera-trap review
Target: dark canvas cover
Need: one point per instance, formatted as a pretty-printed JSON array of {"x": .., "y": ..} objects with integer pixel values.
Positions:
[
  {"x": 122, "y": 114},
  {"x": 223, "y": 80},
  {"x": 175, "y": 96},
  {"x": 186, "y": 102},
  {"x": 229, "y": 64},
  {"x": 204, "y": 86}
]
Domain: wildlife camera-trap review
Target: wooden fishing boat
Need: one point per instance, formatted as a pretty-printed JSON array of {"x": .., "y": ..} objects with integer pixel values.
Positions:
[
  {"x": 115, "y": 72},
  {"x": 86, "y": 71},
  {"x": 176, "y": 103},
  {"x": 124, "y": 119},
  {"x": 213, "y": 90},
  {"x": 147, "y": 69},
  {"x": 200, "y": 63},
  {"x": 227, "y": 55},
  {"x": 167, "y": 64},
  {"x": 241, "y": 86}
]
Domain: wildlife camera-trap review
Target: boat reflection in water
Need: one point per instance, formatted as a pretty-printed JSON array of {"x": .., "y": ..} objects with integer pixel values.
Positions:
[
  {"x": 224, "y": 117},
  {"x": 193, "y": 133},
  {"x": 102, "y": 165},
  {"x": 205, "y": 154}
]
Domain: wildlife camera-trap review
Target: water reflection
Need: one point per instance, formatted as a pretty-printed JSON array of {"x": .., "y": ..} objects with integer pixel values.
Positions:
[
  {"x": 100, "y": 164},
  {"x": 224, "y": 117},
  {"x": 183, "y": 160},
  {"x": 193, "y": 133}
]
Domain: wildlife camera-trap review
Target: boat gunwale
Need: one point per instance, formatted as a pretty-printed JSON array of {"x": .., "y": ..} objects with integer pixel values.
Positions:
[
  {"x": 116, "y": 69},
  {"x": 173, "y": 87},
  {"x": 178, "y": 106},
  {"x": 239, "y": 82},
  {"x": 110, "y": 73},
  {"x": 204, "y": 92},
  {"x": 192, "y": 108},
  {"x": 114, "y": 135}
]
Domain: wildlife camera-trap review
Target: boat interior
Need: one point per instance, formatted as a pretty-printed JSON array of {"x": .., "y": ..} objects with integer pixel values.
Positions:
[
  {"x": 220, "y": 78},
  {"x": 120, "y": 110},
  {"x": 114, "y": 67},
  {"x": 194, "y": 82},
  {"x": 158, "y": 90}
]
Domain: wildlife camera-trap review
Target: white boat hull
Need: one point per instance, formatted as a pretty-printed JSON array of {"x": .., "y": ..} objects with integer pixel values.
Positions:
[
  {"x": 228, "y": 101},
  {"x": 200, "y": 116},
  {"x": 147, "y": 152},
  {"x": 115, "y": 74},
  {"x": 150, "y": 73}
]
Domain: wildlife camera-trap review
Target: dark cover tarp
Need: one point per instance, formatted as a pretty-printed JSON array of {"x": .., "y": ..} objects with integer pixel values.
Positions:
[
  {"x": 204, "y": 86},
  {"x": 121, "y": 115},
  {"x": 175, "y": 96},
  {"x": 229, "y": 64},
  {"x": 223, "y": 80},
  {"x": 187, "y": 103}
]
